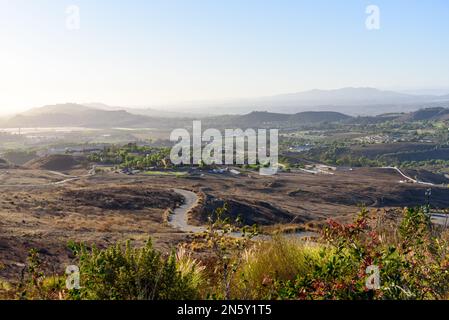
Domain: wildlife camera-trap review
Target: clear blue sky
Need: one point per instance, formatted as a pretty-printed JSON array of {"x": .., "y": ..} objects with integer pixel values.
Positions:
[{"x": 158, "y": 51}]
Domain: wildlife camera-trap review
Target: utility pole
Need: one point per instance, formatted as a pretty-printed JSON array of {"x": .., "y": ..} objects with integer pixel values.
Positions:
[
  {"x": 445, "y": 222},
  {"x": 428, "y": 195}
]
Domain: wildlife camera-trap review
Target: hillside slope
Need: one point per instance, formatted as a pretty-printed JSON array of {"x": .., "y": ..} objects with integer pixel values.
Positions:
[
  {"x": 74, "y": 115},
  {"x": 53, "y": 163},
  {"x": 264, "y": 119},
  {"x": 436, "y": 114},
  {"x": 4, "y": 164}
]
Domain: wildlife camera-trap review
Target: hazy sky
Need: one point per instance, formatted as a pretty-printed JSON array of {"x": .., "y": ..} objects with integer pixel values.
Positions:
[{"x": 157, "y": 51}]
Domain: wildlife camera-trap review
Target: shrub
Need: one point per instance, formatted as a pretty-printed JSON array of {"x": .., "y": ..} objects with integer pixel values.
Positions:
[
  {"x": 411, "y": 256},
  {"x": 410, "y": 253},
  {"x": 126, "y": 273},
  {"x": 413, "y": 265},
  {"x": 34, "y": 285}
]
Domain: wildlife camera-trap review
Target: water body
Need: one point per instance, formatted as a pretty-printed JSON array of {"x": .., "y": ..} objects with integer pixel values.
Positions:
[{"x": 45, "y": 130}]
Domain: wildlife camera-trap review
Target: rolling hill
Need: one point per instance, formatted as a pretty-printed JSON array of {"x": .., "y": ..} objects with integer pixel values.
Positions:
[
  {"x": 264, "y": 119},
  {"x": 53, "y": 162},
  {"x": 261, "y": 117},
  {"x": 301, "y": 117},
  {"x": 74, "y": 115},
  {"x": 4, "y": 164},
  {"x": 435, "y": 114},
  {"x": 425, "y": 114},
  {"x": 318, "y": 116}
]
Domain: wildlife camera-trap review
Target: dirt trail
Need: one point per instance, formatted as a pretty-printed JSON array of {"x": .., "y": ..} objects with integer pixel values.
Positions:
[
  {"x": 410, "y": 178},
  {"x": 90, "y": 173},
  {"x": 179, "y": 219}
]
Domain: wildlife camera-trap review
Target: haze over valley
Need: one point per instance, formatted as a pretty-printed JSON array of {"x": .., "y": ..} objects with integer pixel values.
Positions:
[{"x": 224, "y": 150}]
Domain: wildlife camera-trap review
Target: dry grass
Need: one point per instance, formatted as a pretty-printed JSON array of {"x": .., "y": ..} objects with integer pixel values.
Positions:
[
  {"x": 48, "y": 218},
  {"x": 281, "y": 259}
]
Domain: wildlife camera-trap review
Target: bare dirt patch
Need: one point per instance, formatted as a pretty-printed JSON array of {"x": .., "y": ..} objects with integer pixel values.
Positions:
[
  {"x": 108, "y": 207},
  {"x": 48, "y": 218},
  {"x": 26, "y": 177},
  {"x": 124, "y": 198}
]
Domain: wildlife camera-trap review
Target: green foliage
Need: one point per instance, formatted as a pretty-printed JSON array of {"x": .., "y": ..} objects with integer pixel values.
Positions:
[
  {"x": 119, "y": 272},
  {"x": 126, "y": 273},
  {"x": 411, "y": 255},
  {"x": 34, "y": 285},
  {"x": 227, "y": 242},
  {"x": 413, "y": 265},
  {"x": 132, "y": 156}
]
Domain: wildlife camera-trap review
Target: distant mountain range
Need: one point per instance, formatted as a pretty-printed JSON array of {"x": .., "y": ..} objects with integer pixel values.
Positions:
[
  {"x": 352, "y": 101},
  {"x": 75, "y": 115},
  {"x": 346, "y": 96},
  {"x": 149, "y": 112},
  {"x": 387, "y": 103}
]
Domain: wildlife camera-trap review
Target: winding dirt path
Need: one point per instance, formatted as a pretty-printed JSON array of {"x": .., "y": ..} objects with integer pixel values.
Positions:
[
  {"x": 410, "y": 178},
  {"x": 90, "y": 173},
  {"x": 179, "y": 219}
]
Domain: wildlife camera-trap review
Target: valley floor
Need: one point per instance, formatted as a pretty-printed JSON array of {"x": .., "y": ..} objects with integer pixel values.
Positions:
[{"x": 35, "y": 212}]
